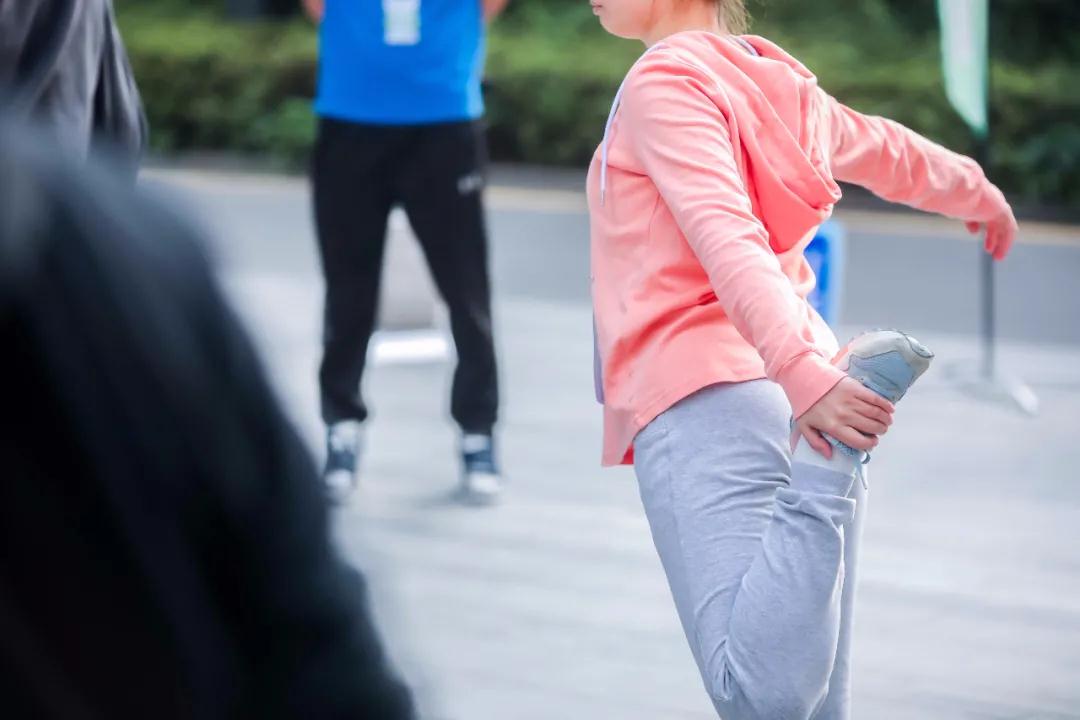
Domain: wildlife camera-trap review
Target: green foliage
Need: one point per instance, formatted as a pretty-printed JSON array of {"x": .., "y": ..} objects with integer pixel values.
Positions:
[{"x": 211, "y": 84}]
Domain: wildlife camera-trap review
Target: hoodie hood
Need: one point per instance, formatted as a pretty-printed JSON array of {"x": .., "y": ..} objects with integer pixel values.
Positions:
[{"x": 776, "y": 111}]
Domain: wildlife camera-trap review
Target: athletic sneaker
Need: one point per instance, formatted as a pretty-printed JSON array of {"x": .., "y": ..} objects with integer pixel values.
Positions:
[
  {"x": 481, "y": 483},
  {"x": 886, "y": 361},
  {"x": 342, "y": 455}
]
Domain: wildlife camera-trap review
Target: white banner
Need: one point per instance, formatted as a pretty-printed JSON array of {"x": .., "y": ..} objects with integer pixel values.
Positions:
[{"x": 964, "y": 52}]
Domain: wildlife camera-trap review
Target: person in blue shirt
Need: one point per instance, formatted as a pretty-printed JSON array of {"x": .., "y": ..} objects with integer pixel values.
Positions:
[{"x": 399, "y": 109}]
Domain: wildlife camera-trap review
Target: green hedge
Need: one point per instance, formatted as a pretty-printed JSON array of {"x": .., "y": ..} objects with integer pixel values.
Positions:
[{"x": 210, "y": 84}]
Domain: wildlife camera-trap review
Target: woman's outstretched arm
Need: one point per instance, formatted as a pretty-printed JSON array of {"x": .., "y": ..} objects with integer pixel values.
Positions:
[{"x": 902, "y": 166}]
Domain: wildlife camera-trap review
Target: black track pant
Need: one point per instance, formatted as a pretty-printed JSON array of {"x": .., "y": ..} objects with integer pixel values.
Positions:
[{"x": 436, "y": 173}]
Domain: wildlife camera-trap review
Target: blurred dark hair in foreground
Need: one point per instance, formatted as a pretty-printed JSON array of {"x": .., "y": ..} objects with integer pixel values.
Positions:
[{"x": 164, "y": 546}]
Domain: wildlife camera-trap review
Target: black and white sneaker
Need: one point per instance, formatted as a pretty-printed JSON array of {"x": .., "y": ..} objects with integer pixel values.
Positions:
[
  {"x": 481, "y": 483},
  {"x": 342, "y": 458}
]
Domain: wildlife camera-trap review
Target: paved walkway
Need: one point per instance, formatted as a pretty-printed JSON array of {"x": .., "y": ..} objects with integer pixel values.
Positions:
[{"x": 553, "y": 606}]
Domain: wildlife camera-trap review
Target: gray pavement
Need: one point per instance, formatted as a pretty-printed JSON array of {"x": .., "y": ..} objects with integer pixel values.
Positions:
[
  {"x": 553, "y": 605},
  {"x": 905, "y": 270}
]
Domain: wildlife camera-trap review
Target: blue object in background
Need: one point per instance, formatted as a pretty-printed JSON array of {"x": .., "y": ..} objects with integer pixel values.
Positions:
[{"x": 825, "y": 253}]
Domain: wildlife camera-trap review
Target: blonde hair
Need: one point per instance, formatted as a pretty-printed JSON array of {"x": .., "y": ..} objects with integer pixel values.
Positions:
[{"x": 733, "y": 15}]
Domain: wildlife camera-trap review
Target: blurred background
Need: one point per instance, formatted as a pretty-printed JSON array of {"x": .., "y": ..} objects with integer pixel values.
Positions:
[
  {"x": 553, "y": 605},
  {"x": 214, "y": 84}
]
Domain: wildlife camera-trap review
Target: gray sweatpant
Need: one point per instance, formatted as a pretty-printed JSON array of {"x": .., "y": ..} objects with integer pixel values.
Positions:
[{"x": 760, "y": 554}]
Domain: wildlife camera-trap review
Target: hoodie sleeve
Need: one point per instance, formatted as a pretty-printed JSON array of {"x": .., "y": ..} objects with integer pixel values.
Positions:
[
  {"x": 902, "y": 166},
  {"x": 681, "y": 138}
]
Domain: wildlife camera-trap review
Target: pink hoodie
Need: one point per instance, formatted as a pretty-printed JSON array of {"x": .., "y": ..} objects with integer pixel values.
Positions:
[{"x": 720, "y": 168}]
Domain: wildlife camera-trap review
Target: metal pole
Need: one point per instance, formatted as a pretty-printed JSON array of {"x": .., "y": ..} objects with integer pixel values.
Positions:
[
  {"x": 984, "y": 380},
  {"x": 988, "y": 317},
  {"x": 987, "y": 295}
]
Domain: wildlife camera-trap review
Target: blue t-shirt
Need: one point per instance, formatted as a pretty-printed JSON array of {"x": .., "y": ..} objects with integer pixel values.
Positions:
[{"x": 369, "y": 72}]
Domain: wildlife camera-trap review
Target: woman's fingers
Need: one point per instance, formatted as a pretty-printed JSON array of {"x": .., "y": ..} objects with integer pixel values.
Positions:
[
  {"x": 995, "y": 242},
  {"x": 1000, "y": 235},
  {"x": 870, "y": 397},
  {"x": 817, "y": 441},
  {"x": 851, "y": 413},
  {"x": 874, "y": 413},
  {"x": 853, "y": 438},
  {"x": 1006, "y": 236},
  {"x": 866, "y": 425}
]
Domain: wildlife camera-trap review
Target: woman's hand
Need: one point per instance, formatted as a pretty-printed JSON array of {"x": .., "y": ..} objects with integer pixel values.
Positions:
[
  {"x": 1000, "y": 232},
  {"x": 851, "y": 413}
]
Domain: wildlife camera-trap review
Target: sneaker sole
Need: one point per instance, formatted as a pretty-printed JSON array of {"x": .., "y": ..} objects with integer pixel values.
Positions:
[
  {"x": 340, "y": 493},
  {"x": 474, "y": 496}
]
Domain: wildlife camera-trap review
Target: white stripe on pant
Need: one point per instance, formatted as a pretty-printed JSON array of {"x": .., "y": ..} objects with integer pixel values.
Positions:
[{"x": 760, "y": 555}]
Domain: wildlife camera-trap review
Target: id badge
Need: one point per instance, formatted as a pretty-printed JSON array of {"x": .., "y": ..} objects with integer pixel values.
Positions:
[{"x": 401, "y": 22}]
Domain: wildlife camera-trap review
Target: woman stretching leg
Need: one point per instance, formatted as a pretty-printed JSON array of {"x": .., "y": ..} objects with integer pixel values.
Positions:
[{"x": 719, "y": 162}]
